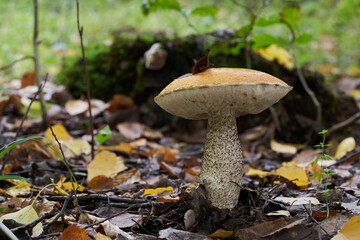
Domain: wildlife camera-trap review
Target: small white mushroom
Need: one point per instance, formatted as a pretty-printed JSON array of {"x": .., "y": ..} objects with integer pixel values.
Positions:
[{"x": 221, "y": 95}]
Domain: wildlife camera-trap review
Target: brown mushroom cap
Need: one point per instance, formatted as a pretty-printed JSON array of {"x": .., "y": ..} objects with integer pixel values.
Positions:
[{"x": 243, "y": 90}]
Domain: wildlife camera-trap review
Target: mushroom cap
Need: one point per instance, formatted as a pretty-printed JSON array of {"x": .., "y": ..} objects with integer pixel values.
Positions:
[{"x": 243, "y": 90}]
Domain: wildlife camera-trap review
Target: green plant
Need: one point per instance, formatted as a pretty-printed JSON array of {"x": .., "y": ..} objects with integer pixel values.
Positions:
[
  {"x": 326, "y": 173},
  {"x": 104, "y": 134}
]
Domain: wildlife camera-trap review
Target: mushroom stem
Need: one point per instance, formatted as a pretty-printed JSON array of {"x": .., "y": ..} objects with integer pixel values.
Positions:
[{"x": 221, "y": 170}]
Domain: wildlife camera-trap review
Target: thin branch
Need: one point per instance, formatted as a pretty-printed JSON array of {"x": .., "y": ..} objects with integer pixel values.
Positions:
[
  {"x": 14, "y": 62},
  {"x": 81, "y": 30},
  {"x": 36, "y": 43},
  {"x": 36, "y": 221},
  {"x": 40, "y": 88},
  {"x": 314, "y": 220},
  {"x": 343, "y": 124},
  {"x": 301, "y": 76}
]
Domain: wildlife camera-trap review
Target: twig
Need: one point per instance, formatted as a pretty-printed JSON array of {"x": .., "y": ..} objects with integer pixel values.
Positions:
[
  {"x": 343, "y": 124},
  {"x": 314, "y": 220},
  {"x": 98, "y": 197},
  {"x": 81, "y": 30},
  {"x": 112, "y": 216},
  {"x": 301, "y": 76},
  {"x": 33, "y": 223},
  {"x": 40, "y": 88},
  {"x": 62, "y": 211},
  {"x": 36, "y": 43},
  {"x": 3, "y": 68}
]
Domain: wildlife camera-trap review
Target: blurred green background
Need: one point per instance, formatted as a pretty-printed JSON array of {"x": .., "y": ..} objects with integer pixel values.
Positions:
[{"x": 333, "y": 24}]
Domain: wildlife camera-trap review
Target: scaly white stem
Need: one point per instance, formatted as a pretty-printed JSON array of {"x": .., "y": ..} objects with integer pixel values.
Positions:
[{"x": 221, "y": 170}]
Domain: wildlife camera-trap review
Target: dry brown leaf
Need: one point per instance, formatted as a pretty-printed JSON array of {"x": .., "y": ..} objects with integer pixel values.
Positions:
[
  {"x": 105, "y": 163},
  {"x": 75, "y": 107},
  {"x": 221, "y": 233},
  {"x": 120, "y": 101},
  {"x": 28, "y": 79},
  {"x": 124, "y": 147},
  {"x": 97, "y": 107},
  {"x": 100, "y": 182},
  {"x": 74, "y": 232}
]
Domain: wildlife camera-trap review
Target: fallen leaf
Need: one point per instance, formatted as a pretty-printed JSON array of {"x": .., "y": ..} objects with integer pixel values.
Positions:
[
  {"x": 350, "y": 231},
  {"x": 97, "y": 107},
  {"x": 284, "y": 213},
  {"x": 165, "y": 152},
  {"x": 25, "y": 216},
  {"x": 126, "y": 220},
  {"x": 124, "y": 147},
  {"x": 105, "y": 163},
  {"x": 298, "y": 201},
  {"x": 99, "y": 236},
  {"x": 21, "y": 188},
  {"x": 157, "y": 190},
  {"x": 60, "y": 132},
  {"x": 74, "y": 232},
  {"x": 256, "y": 173},
  {"x": 80, "y": 147},
  {"x": 100, "y": 182},
  {"x": 283, "y": 147},
  {"x": 28, "y": 79},
  {"x": 346, "y": 145},
  {"x": 221, "y": 233},
  {"x": 75, "y": 107},
  {"x": 120, "y": 101},
  {"x": 292, "y": 173}
]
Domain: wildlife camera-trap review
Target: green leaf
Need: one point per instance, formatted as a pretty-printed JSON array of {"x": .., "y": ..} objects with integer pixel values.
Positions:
[
  {"x": 265, "y": 40},
  {"x": 208, "y": 10},
  {"x": 317, "y": 159},
  {"x": 312, "y": 175},
  {"x": 303, "y": 38},
  {"x": 11, "y": 145},
  {"x": 150, "y": 6},
  {"x": 327, "y": 157},
  {"x": 324, "y": 131},
  {"x": 104, "y": 134},
  {"x": 243, "y": 31},
  {"x": 264, "y": 22},
  {"x": 291, "y": 15},
  {"x": 6, "y": 177},
  {"x": 319, "y": 178}
]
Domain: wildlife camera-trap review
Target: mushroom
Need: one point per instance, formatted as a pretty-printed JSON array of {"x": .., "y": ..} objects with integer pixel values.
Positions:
[{"x": 221, "y": 95}]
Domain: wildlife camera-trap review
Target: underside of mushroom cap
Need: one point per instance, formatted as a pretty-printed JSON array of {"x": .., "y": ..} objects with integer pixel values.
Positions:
[{"x": 242, "y": 90}]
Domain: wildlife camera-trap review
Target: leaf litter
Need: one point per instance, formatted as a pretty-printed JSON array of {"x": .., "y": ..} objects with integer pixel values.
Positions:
[{"x": 145, "y": 182}]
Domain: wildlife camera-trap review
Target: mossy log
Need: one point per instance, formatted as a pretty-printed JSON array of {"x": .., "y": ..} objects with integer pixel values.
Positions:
[{"x": 120, "y": 68}]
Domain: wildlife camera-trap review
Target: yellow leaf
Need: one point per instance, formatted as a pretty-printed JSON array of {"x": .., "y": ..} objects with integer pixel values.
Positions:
[
  {"x": 221, "y": 233},
  {"x": 22, "y": 187},
  {"x": 105, "y": 163},
  {"x": 124, "y": 147},
  {"x": 59, "y": 131},
  {"x": 99, "y": 236},
  {"x": 80, "y": 147},
  {"x": 293, "y": 172},
  {"x": 256, "y": 173},
  {"x": 157, "y": 190},
  {"x": 274, "y": 52},
  {"x": 350, "y": 231},
  {"x": 67, "y": 186},
  {"x": 283, "y": 147},
  {"x": 346, "y": 145},
  {"x": 25, "y": 216}
]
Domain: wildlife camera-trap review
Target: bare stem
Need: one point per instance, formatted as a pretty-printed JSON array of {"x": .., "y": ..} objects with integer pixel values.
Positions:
[
  {"x": 301, "y": 76},
  {"x": 3, "y": 68},
  {"x": 81, "y": 30},
  {"x": 36, "y": 43}
]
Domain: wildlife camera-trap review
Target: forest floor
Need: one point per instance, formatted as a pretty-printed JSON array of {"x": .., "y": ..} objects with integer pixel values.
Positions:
[{"x": 144, "y": 183}]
